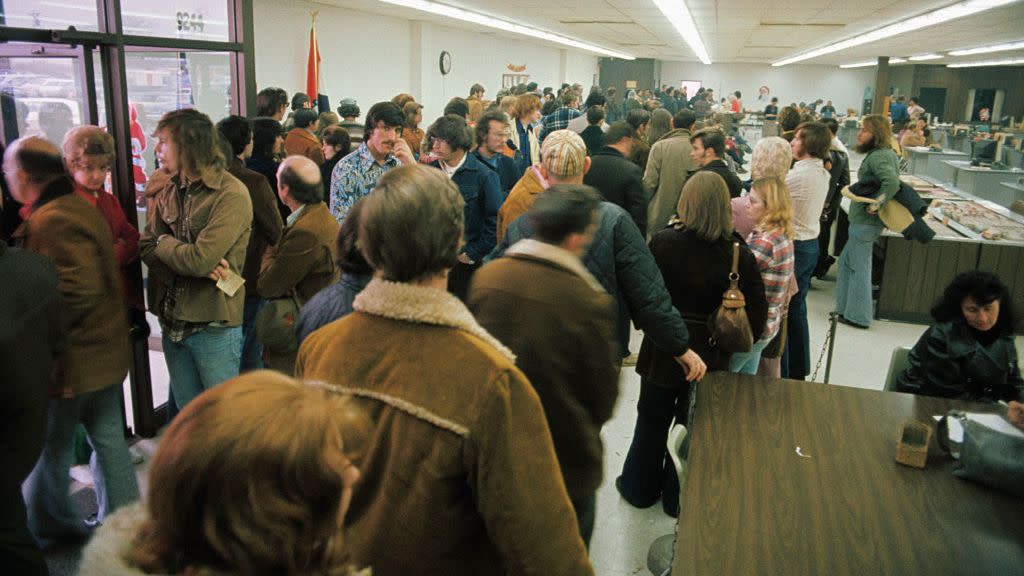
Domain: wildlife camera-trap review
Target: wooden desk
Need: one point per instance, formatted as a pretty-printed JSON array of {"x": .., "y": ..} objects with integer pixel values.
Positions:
[{"x": 751, "y": 505}]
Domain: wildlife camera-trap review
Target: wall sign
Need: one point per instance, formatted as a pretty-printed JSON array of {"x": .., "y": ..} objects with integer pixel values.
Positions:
[{"x": 189, "y": 21}]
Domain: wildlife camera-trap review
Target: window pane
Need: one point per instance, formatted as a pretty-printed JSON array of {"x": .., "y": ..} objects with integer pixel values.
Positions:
[
  {"x": 44, "y": 94},
  {"x": 186, "y": 19},
  {"x": 50, "y": 14},
  {"x": 159, "y": 82}
]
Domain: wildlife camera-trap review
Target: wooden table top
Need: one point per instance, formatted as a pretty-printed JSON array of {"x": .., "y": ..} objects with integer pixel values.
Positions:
[{"x": 752, "y": 505}]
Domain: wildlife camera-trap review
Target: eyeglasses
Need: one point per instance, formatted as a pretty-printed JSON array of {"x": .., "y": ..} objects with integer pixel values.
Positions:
[{"x": 87, "y": 166}]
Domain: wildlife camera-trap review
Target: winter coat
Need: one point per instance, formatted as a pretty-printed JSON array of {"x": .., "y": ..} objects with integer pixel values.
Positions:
[
  {"x": 459, "y": 474},
  {"x": 619, "y": 259},
  {"x": 73, "y": 235},
  {"x": 950, "y": 362},
  {"x": 620, "y": 182},
  {"x": 696, "y": 274}
]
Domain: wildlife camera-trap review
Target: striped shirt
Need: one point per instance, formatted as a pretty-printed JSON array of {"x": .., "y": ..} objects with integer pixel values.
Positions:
[{"x": 774, "y": 254}]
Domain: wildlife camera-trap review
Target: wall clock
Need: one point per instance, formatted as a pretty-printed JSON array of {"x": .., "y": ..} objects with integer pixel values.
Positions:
[{"x": 445, "y": 62}]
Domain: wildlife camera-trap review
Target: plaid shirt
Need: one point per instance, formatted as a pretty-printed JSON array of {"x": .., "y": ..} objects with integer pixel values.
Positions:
[
  {"x": 557, "y": 120},
  {"x": 354, "y": 176},
  {"x": 774, "y": 254}
]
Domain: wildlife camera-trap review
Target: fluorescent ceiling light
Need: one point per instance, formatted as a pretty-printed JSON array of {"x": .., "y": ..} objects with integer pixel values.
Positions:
[
  {"x": 958, "y": 10},
  {"x": 874, "y": 62},
  {"x": 988, "y": 49},
  {"x": 503, "y": 25},
  {"x": 926, "y": 57},
  {"x": 1006, "y": 62},
  {"x": 679, "y": 15}
]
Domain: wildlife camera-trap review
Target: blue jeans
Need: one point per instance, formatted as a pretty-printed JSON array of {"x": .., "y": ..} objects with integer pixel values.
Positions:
[
  {"x": 796, "y": 359},
  {"x": 252, "y": 348},
  {"x": 853, "y": 286},
  {"x": 51, "y": 514},
  {"x": 746, "y": 362},
  {"x": 202, "y": 361}
]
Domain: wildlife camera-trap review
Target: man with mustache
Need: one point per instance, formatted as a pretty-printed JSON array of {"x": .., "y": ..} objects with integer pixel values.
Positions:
[{"x": 381, "y": 150}]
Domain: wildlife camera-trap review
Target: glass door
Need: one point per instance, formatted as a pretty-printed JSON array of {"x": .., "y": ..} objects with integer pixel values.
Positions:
[{"x": 122, "y": 64}]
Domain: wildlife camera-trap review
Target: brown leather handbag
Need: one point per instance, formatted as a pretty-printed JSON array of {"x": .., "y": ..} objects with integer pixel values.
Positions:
[{"x": 730, "y": 328}]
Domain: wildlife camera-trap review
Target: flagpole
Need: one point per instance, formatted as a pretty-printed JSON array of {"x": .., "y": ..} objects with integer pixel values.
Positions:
[{"x": 313, "y": 65}]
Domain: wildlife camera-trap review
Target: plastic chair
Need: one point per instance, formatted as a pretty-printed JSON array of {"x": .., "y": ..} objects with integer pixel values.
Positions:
[
  {"x": 676, "y": 435},
  {"x": 897, "y": 364},
  {"x": 659, "y": 554}
]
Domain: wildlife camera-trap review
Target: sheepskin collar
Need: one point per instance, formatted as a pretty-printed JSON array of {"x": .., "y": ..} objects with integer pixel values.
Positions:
[{"x": 424, "y": 305}]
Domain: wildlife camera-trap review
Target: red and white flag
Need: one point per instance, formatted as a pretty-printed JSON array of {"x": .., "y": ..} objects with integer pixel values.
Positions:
[{"x": 313, "y": 66}]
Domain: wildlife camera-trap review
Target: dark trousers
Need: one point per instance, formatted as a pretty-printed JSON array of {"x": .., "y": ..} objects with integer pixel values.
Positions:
[
  {"x": 842, "y": 233},
  {"x": 459, "y": 278},
  {"x": 586, "y": 511},
  {"x": 825, "y": 237},
  {"x": 252, "y": 348},
  {"x": 648, "y": 471},
  {"x": 18, "y": 551},
  {"x": 796, "y": 359}
]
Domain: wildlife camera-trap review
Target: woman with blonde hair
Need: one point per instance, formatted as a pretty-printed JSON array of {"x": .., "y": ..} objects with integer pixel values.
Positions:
[
  {"x": 527, "y": 113},
  {"x": 772, "y": 245},
  {"x": 695, "y": 257},
  {"x": 252, "y": 477},
  {"x": 771, "y": 158}
]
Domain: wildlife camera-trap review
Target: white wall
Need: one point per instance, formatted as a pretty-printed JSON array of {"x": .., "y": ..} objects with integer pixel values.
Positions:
[
  {"x": 794, "y": 83},
  {"x": 371, "y": 58}
]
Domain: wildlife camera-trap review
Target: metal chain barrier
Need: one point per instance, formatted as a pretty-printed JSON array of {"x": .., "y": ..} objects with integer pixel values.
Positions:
[{"x": 827, "y": 346}]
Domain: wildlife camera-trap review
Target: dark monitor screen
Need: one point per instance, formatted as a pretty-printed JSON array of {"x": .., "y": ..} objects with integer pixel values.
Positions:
[{"x": 984, "y": 150}]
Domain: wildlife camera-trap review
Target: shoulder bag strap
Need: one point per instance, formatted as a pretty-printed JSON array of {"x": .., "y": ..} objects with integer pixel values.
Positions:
[{"x": 734, "y": 275}]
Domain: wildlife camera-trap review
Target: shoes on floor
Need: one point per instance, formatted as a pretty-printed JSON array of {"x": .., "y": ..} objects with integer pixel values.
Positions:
[
  {"x": 670, "y": 508},
  {"x": 843, "y": 320},
  {"x": 630, "y": 501}
]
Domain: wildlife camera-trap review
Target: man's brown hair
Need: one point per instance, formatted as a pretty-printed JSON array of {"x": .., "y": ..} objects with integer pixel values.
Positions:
[
  {"x": 816, "y": 139},
  {"x": 195, "y": 138}
]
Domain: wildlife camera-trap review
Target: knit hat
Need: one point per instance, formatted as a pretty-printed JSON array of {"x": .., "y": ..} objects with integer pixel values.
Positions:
[
  {"x": 771, "y": 158},
  {"x": 563, "y": 154}
]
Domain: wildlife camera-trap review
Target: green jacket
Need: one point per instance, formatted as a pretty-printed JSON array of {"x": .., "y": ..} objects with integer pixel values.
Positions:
[
  {"x": 217, "y": 213},
  {"x": 880, "y": 164}
]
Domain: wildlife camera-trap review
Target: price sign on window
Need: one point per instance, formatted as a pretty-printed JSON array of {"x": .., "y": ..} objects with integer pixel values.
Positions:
[{"x": 190, "y": 22}]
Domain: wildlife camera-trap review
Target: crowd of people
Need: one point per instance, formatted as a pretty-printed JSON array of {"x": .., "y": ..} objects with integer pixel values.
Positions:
[{"x": 445, "y": 313}]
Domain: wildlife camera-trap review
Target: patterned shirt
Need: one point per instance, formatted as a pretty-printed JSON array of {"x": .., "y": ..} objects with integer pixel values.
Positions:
[
  {"x": 774, "y": 254},
  {"x": 558, "y": 120},
  {"x": 354, "y": 177}
]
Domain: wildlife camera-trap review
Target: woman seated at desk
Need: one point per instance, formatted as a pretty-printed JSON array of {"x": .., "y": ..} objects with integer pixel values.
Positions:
[
  {"x": 968, "y": 352},
  {"x": 917, "y": 134}
]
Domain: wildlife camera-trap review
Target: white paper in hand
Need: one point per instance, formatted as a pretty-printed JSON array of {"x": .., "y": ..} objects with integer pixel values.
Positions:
[{"x": 230, "y": 283}]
